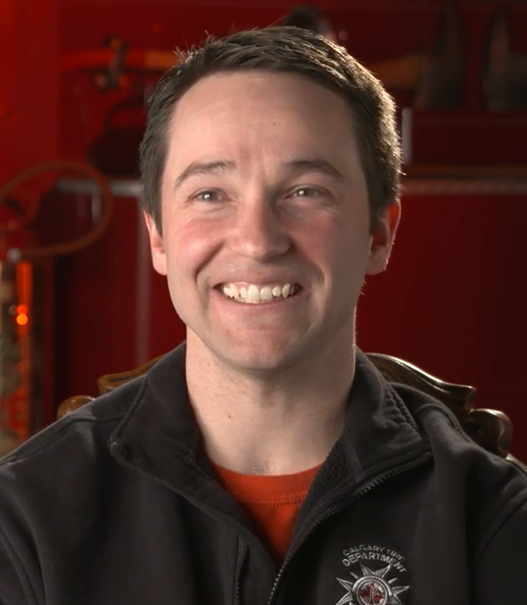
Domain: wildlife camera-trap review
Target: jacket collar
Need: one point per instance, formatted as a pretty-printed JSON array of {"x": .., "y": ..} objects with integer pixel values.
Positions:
[
  {"x": 160, "y": 433},
  {"x": 379, "y": 429}
]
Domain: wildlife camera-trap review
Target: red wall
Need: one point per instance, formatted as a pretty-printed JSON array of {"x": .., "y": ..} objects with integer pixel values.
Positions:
[
  {"x": 29, "y": 92},
  {"x": 452, "y": 300}
]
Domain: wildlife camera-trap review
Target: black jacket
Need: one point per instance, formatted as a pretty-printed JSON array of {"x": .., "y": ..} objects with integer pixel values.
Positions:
[{"x": 116, "y": 504}]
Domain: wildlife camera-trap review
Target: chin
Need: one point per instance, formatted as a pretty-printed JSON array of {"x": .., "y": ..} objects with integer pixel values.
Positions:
[{"x": 258, "y": 359}]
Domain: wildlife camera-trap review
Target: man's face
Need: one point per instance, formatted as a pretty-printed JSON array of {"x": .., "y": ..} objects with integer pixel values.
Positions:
[{"x": 265, "y": 223}]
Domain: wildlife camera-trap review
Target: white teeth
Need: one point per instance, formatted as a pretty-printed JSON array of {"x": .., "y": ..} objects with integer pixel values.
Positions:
[
  {"x": 266, "y": 293},
  {"x": 254, "y": 294}
]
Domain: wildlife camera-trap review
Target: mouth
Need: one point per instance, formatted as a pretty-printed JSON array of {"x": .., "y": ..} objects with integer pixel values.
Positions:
[{"x": 258, "y": 294}]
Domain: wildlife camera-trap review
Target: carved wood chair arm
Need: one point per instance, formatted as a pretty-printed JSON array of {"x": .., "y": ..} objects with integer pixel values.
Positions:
[
  {"x": 492, "y": 429},
  {"x": 72, "y": 403},
  {"x": 398, "y": 370},
  {"x": 109, "y": 382}
]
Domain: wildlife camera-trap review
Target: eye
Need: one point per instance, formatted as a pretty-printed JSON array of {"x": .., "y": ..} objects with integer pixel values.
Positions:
[
  {"x": 307, "y": 192},
  {"x": 207, "y": 195}
]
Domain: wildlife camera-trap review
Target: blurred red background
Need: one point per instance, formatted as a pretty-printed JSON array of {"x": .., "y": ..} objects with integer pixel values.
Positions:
[{"x": 452, "y": 301}]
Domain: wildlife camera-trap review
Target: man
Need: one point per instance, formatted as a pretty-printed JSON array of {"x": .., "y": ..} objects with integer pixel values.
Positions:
[{"x": 266, "y": 460}]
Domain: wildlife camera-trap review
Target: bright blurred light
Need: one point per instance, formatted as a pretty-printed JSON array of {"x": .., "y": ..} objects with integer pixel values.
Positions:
[{"x": 22, "y": 319}]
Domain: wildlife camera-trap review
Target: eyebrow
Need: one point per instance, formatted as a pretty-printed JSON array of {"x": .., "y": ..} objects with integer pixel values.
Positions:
[
  {"x": 295, "y": 167},
  {"x": 314, "y": 165},
  {"x": 203, "y": 168}
]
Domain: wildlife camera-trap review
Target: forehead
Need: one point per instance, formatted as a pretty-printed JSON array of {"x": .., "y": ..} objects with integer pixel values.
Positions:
[{"x": 254, "y": 112}]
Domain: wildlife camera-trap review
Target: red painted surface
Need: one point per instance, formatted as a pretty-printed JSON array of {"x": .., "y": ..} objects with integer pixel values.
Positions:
[
  {"x": 29, "y": 121},
  {"x": 452, "y": 300},
  {"x": 29, "y": 126},
  {"x": 114, "y": 312}
]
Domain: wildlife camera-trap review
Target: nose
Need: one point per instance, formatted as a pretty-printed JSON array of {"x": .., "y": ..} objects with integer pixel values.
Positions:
[{"x": 259, "y": 232}]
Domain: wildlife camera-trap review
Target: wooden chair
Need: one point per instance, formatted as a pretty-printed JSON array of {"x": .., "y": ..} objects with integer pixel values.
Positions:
[{"x": 491, "y": 429}]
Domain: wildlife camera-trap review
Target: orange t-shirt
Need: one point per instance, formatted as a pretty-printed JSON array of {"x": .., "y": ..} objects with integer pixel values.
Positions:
[{"x": 273, "y": 502}]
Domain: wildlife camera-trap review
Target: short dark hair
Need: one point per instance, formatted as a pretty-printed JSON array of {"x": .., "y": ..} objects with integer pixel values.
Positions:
[{"x": 285, "y": 50}]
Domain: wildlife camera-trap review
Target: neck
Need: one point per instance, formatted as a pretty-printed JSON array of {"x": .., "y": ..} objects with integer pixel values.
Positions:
[{"x": 279, "y": 422}]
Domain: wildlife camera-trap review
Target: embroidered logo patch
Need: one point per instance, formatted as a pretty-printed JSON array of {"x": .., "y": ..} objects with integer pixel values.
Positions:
[{"x": 375, "y": 576}]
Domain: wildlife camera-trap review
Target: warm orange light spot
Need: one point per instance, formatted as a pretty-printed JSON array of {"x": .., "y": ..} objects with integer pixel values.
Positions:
[{"x": 22, "y": 319}]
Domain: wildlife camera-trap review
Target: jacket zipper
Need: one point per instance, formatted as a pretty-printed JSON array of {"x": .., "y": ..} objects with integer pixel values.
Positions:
[
  {"x": 239, "y": 569},
  {"x": 339, "y": 507}
]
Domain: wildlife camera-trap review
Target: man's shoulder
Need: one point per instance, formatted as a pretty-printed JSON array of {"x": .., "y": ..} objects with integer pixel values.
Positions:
[
  {"x": 484, "y": 474},
  {"x": 79, "y": 436},
  {"x": 82, "y": 440}
]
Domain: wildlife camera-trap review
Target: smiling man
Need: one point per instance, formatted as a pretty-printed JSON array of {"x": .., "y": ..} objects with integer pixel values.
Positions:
[
  {"x": 265, "y": 236},
  {"x": 265, "y": 460}
]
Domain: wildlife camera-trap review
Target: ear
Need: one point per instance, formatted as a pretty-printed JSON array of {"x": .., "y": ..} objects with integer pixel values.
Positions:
[
  {"x": 381, "y": 240},
  {"x": 156, "y": 245}
]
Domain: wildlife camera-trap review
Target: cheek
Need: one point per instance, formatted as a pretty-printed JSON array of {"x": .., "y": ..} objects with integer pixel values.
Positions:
[
  {"x": 341, "y": 243},
  {"x": 191, "y": 246}
]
